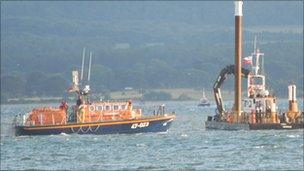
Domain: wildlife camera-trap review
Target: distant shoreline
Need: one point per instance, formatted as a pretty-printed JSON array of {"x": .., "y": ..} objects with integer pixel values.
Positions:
[
  {"x": 190, "y": 94},
  {"x": 176, "y": 94}
]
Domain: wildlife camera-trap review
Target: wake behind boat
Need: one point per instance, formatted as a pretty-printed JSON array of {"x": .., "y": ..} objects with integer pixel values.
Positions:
[{"x": 86, "y": 117}]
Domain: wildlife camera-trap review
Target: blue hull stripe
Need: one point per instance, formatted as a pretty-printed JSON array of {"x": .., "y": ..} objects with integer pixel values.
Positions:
[{"x": 159, "y": 125}]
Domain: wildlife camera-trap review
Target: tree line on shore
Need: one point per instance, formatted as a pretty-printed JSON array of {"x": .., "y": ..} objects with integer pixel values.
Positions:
[{"x": 184, "y": 49}]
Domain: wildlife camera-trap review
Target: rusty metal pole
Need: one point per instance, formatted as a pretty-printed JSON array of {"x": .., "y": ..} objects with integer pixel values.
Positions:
[{"x": 238, "y": 57}]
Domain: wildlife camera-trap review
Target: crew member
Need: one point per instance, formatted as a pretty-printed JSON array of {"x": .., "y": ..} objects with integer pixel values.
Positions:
[{"x": 64, "y": 105}]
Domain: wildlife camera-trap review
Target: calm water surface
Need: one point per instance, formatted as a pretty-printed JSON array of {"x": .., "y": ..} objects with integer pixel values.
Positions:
[{"x": 187, "y": 145}]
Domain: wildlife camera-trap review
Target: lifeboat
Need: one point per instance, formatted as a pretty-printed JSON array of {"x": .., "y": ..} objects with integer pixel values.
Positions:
[
  {"x": 91, "y": 118},
  {"x": 86, "y": 117}
]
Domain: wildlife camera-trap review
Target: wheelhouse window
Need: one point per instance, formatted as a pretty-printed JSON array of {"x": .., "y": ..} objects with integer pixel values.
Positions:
[
  {"x": 99, "y": 107},
  {"x": 116, "y": 107},
  {"x": 108, "y": 107},
  {"x": 258, "y": 81},
  {"x": 123, "y": 107},
  {"x": 92, "y": 108}
]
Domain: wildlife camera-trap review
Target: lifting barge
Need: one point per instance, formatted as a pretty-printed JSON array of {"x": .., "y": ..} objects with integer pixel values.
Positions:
[
  {"x": 86, "y": 117},
  {"x": 260, "y": 106}
]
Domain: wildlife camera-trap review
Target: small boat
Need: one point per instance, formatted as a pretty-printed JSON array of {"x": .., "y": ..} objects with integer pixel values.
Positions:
[
  {"x": 204, "y": 101},
  {"x": 86, "y": 117}
]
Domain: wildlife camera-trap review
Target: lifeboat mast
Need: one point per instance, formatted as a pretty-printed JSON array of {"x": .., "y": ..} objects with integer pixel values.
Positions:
[{"x": 82, "y": 93}]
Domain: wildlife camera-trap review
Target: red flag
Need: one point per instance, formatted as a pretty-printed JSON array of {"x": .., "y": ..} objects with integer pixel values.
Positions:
[{"x": 247, "y": 60}]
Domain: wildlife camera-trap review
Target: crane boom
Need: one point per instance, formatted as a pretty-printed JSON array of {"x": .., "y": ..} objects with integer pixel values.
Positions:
[{"x": 228, "y": 70}]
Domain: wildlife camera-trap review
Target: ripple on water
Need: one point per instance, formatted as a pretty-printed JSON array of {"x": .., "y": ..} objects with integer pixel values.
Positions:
[
  {"x": 184, "y": 135},
  {"x": 186, "y": 146},
  {"x": 64, "y": 134},
  {"x": 293, "y": 136}
]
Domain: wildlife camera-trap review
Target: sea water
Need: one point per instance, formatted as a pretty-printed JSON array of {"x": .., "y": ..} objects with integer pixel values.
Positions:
[{"x": 186, "y": 146}]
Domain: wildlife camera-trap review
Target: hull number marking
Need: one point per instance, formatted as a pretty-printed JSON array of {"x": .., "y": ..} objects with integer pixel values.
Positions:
[{"x": 139, "y": 125}]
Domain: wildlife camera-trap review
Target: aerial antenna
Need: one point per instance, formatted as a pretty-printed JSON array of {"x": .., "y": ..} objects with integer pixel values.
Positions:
[
  {"x": 255, "y": 44},
  {"x": 90, "y": 62},
  {"x": 82, "y": 64}
]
